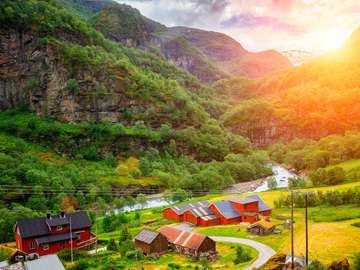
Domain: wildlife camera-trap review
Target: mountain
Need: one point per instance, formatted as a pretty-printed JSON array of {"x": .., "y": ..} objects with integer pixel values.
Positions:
[
  {"x": 210, "y": 56},
  {"x": 299, "y": 57},
  {"x": 313, "y": 100}
]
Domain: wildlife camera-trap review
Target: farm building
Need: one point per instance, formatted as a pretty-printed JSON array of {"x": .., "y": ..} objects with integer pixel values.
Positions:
[
  {"x": 151, "y": 242},
  {"x": 50, "y": 234},
  {"x": 201, "y": 216},
  {"x": 245, "y": 209},
  {"x": 176, "y": 213},
  {"x": 261, "y": 227},
  {"x": 189, "y": 243}
]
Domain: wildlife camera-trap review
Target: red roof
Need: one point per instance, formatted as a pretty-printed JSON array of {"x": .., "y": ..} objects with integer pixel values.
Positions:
[{"x": 182, "y": 238}]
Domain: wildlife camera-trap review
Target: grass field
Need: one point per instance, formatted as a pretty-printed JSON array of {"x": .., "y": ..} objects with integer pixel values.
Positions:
[{"x": 226, "y": 251}]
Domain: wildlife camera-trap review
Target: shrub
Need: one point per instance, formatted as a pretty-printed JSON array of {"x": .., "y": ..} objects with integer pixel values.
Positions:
[
  {"x": 356, "y": 265},
  {"x": 241, "y": 255},
  {"x": 72, "y": 86}
]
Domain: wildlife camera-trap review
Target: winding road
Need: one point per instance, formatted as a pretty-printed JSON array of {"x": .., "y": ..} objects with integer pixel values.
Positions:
[{"x": 265, "y": 252}]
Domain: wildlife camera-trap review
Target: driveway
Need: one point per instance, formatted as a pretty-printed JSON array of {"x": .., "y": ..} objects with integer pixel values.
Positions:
[{"x": 265, "y": 252}]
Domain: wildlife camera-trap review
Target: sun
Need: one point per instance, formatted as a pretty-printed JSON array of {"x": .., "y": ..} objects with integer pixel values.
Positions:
[{"x": 333, "y": 39}]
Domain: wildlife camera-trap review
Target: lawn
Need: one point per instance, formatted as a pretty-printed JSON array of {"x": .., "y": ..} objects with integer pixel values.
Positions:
[{"x": 226, "y": 251}]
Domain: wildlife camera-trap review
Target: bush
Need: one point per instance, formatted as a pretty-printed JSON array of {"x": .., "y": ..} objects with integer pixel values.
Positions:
[
  {"x": 112, "y": 245},
  {"x": 241, "y": 255},
  {"x": 72, "y": 86},
  {"x": 356, "y": 265}
]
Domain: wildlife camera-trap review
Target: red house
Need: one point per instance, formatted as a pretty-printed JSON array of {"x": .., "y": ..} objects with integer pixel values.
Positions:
[
  {"x": 176, "y": 213},
  {"x": 50, "y": 234},
  {"x": 245, "y": 209}
]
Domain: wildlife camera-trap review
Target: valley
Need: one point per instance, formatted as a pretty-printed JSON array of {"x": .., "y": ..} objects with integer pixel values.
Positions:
[{"x": 113, "y": 116}]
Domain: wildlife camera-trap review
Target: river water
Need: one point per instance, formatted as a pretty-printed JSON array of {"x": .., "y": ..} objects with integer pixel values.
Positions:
[{"x": 281, "y": 174}]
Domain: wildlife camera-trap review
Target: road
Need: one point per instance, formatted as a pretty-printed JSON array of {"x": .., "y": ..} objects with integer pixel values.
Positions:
[{"x": 265, "y": 252}]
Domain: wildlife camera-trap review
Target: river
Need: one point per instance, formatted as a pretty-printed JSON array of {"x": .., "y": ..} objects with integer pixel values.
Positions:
[{"x": 281, "y": 174}]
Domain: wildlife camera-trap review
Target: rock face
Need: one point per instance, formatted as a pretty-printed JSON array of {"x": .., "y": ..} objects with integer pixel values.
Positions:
[
  {"x": 210, "y": 56},
  {"x": 34, "y": 73}
]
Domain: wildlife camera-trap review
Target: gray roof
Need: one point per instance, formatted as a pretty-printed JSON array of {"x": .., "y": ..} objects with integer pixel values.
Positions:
[
  {"x": 58, "y": 221},
  {"x": 226, "y": 209},
  {"x": 262, "y": 205},
  {"x": 45, "y": 263},
  {"x": 254, "y": 198},
  {"x": 180, "y": 209},
  {"x": 299, "y": 260},
  {"x": 55, "y": 238},
  {"x": 4, "y": 263},
  {"x": 36, "y": 227},
  {"x": 244, "y": 200},
  {"x": 147, "y": 236},
  {"x": 202, "y": 211}
]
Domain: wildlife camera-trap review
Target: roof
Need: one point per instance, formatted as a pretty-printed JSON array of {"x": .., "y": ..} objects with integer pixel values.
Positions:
[
  {"x": 146, "y": 236},
  {"x": 299, "y": 260},
  {"x": 4, "y": 263},
  {"x": 209, "y": 217},
  {"x": 16, "y": 266},
  {"x": 262, "y": 223},
  {"x": 55, "y": 238},
  {"x": 186, "y": 239},
  {"x": 226, "y": 209},
  {"x": 201, "y": 211},
  {"x": 45, "y": 263},
  {"x": 180, "y": 209},
  {"x": 36, "y": 227},
  {"x": 244, "y": 200},
  {"x": 58, "y": 221},
  {"x": 262, "y": 205}
]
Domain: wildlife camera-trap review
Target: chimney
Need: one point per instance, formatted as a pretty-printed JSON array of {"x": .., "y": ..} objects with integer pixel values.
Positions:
[
  {"x": 62, "y": 214},
  {"x": 48, "y": 216}
]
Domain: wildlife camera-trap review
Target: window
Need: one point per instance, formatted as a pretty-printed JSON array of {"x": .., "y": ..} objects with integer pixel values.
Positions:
[
  {"x": 59, "y": 228},
  {"x": 45, "y": 246},
  {"x": 32, "y": 245}
]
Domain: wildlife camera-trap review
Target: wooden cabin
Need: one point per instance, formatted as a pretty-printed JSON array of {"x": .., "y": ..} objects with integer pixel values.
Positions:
[
  {"x": 151, "y": 242},
  {"x": 261, "y": 227},
  {"x": 189, "y": 243}
]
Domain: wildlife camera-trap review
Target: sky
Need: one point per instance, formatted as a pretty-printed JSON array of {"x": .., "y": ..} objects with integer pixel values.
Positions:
[{"x": 311, "y": 25}]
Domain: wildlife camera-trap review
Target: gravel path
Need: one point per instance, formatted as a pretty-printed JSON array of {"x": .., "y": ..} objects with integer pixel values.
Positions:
[{"x": 265, "y": 252}]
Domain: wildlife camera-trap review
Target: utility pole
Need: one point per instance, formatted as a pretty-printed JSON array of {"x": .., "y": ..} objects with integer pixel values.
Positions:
[
  {"x": 306, "y": 230},
  {"x": 292, "y": 230},
  {"x": 71, "y": 244}
]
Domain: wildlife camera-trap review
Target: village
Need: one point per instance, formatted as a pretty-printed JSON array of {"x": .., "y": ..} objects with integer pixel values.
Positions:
[{"x": 40, "y": 239}]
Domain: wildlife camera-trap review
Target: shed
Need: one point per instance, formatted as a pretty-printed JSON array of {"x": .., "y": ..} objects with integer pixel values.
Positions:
[
  {"x": 261, "y": 227},
  {"x": 151, "y": 242},
  {"x": 189, "y": 243}
]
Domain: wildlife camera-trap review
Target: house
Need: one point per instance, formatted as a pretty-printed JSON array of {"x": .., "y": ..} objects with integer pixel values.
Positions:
[
  {"x": 176, "y": 213},
  {"x": 44, "y": 263},
  {"x": 189, "y": 243},
  {"x": 226, "y": 212},
  {"x": 50, "y": 234},
  {"x": 151, "y": 242},
  {"x": 261, "y": 227},
  {"x": 201, "y": 216}
]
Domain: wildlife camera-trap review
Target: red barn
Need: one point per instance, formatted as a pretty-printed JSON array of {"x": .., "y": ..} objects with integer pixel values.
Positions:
[
  {"x": 176, "y": 213},
  {"x": 245, "y": 209},
  {"x": 201, "y": 216},
  {"x": 226, "y": 212},
  {"x": 48, "y": 235}
]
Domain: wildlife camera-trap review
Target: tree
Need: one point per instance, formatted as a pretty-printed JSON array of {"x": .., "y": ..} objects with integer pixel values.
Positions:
[
  {"x": 180, "y": 195},
  {"x": 356, "y": 265},
  {"x": 69, "y": 204},
  {"x": 241, "y": 255},
  {"x": 272, "y": 183},
  {"x": 111, "y": 245},
  {"x": 336, "y": 175},
  {"x": 106, "y": 223},
  {"x": 141, "y": 199}
]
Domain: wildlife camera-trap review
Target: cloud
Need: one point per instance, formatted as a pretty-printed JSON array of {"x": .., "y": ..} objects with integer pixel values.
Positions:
[{"x": 247, "y": 20}]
